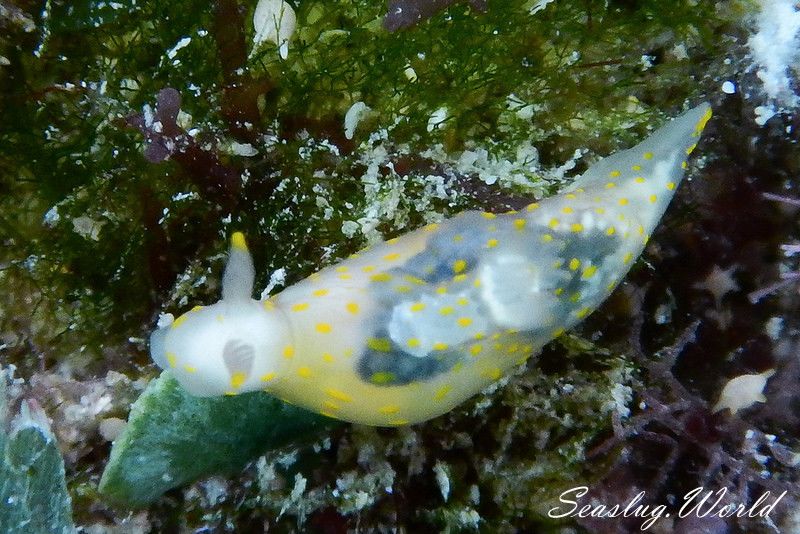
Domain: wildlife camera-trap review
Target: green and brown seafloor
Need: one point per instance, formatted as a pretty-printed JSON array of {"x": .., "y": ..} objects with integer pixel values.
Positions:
[{"x": 105, "y": 221}]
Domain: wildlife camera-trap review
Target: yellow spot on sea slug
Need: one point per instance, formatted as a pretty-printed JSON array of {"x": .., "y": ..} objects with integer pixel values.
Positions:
[
  {"x": 177, "y": 322},
  {"x": 412, "y": 342},
  {"x": 493, "y": 374},
  {"x": 392, "y": 256},
  {"x": 238, "y": 379},
  {"x": 267, "y": 377},
  {"x": 487, "y": 215},
  {"x": 320, "y": 292},
  {"x": 464, "y": 321},
  {"x": 648, "y": 155},
  {"x": 652, "y": 199},
  {"x": 417, "y": 306},
  {"x": 368, "y": 268},
  {"x": 446, "y": 310},
  {"x": 389, "y": 409},
  {"x": 238, "y": 242},
  {"x": 610, "y": 230},
  {"x": 331, "y": 406},
  {"x": 566, "y": 209},
  {"x": 300, "y": 306},
  {"x": 623, "y": 201},
  {"x": 576, "y": 227},
  {"x": 532, "y": 207},
  {"x": 475, "y": 349},
  {"x": 189, "y": 369},
  {"x": 442, "y": 392},
  {"x": 614, "y": 174},
  {"x": 351, "y": 307},
  {"x": 574, "y": 263},
  {"x": 288, "y": 351},
  {"x": 546, "y": 238},
  {"x": 328, "y": 357},
  {"x": 413, "y": 280},
  {"x": 491, "y": 243},
  {"x": 324, "y": 328},
  {"x": 439, "y": 346},
  {"x": 382, "y": 377},
  {"x": 459, "y": 266},
  {"x": 381, "y": 277},
  {"x": 338, "y": 395},
  {"x": 589, "y": 272},
  {"x": 172, "y": 359},
  {"x": 519, "y": 224},
  {"x": 304, "y": 372},
  {"x": 379, "y": 344}
]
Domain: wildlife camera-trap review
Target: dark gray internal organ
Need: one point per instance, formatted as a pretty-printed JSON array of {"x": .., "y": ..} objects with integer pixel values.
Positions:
[
  {"x": 435, "y": 264},
  {"x": 395, "y": 367}
]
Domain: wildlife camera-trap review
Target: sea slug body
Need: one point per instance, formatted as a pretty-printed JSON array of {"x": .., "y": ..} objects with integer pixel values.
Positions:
[{"x": 408, "y": 329}]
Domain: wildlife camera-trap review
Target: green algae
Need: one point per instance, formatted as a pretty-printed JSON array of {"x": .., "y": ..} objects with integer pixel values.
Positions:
[
  {"x": 33, "y": 490},
  {"x": 173, "y": 438}
]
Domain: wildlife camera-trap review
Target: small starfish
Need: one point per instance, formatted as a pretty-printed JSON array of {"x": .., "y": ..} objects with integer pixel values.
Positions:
[{"x": 719, "y": 283}]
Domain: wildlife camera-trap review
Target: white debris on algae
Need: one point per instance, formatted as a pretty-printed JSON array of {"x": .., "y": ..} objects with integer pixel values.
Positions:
[
  {"x": 743, "y": 391},
  {"x": 273, "y": 21}
]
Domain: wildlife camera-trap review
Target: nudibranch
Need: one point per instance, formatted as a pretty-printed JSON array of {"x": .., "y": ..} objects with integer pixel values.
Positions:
[{"x": 407, "y": 329}]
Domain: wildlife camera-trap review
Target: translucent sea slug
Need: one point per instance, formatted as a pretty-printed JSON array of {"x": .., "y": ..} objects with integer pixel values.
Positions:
[{"x": 407, "y": 329}]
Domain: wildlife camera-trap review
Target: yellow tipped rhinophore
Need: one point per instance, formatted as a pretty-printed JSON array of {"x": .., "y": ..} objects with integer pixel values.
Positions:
[
  {"x": 238, "y": 242},
  {"x": 408, "y": 329}
]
